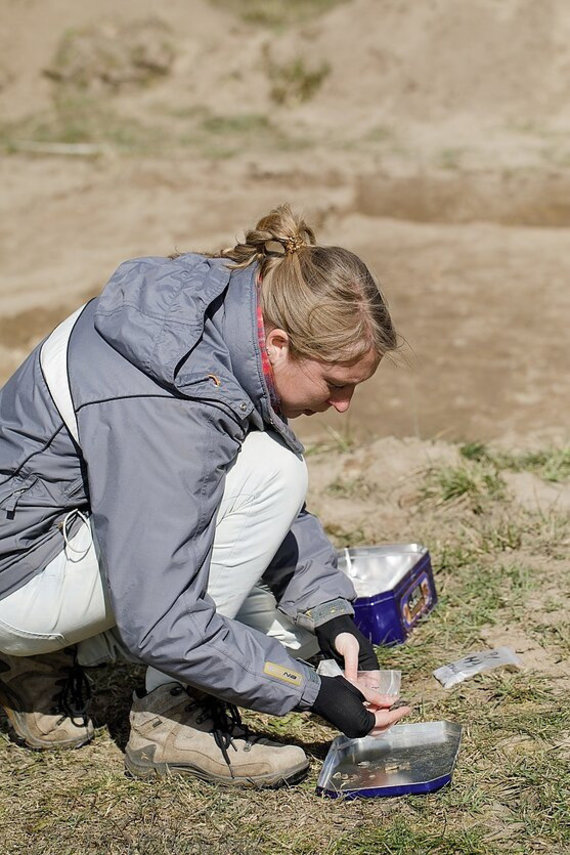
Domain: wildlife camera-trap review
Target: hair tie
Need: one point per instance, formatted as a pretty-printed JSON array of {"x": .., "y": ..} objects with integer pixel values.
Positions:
[{"x": 293, "y": 244}]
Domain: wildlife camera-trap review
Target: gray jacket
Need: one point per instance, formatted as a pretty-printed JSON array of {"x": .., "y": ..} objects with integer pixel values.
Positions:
[{"x": 166, "y": 378}]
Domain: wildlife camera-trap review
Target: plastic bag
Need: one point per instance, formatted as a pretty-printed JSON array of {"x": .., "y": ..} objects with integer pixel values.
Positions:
[
  {"x": 483, "y": 660},
  {"x": 388, "y": 682}
]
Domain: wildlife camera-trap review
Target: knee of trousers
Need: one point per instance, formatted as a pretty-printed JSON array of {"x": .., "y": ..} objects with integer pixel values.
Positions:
[{"x": 281, "y": 469}]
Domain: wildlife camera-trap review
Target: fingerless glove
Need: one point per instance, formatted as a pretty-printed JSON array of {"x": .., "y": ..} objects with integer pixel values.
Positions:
[
  {"x": 327, "y": 632},
  {"x": 342, "y": 705}
]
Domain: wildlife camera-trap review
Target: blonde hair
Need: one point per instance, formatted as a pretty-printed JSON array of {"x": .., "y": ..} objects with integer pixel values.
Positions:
[{"x": 324, "y": 297}]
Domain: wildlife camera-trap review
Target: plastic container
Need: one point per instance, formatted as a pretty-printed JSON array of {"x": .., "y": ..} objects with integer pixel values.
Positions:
[{"x": 394, "y": 586}]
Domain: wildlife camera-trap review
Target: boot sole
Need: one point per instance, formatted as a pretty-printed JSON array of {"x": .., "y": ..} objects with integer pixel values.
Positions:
[{"x": 165, "y": 770}]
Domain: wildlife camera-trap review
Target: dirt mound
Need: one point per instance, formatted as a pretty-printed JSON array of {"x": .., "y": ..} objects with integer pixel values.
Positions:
[
  {"x": 108, "y": 56},
  {"x": 34, "y": 35},
  {"x": 386, "y": 61}
]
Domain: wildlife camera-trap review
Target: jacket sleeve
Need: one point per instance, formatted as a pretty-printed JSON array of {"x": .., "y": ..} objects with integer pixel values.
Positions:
[
  {"x": 305, "y": 578},
  {"x": 156, "y": 470}
]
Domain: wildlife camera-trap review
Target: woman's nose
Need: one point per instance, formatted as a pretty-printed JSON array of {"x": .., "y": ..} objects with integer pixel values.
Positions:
[{"x": 341, "y": 401}]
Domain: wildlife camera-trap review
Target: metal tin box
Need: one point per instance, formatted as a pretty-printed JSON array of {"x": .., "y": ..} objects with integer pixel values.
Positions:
[
  {"x": 394, "y": 586},
  {"x": 409, "y": 758}
]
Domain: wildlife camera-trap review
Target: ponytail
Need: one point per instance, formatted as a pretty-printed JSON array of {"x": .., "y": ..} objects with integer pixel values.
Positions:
[{"x": 324, "y": 297}]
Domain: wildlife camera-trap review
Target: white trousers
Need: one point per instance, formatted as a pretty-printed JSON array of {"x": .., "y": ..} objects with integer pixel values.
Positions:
[{"x": 68, "y": 602}]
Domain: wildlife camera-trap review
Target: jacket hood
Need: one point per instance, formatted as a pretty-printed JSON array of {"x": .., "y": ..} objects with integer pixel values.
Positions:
[
  {"x": 153, "y": 310},
  {"x": 184, "y": 320}
]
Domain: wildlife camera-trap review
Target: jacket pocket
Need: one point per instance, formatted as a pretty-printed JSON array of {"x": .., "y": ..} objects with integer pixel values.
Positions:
[
  {"x": 17, "y": 489},
  {"x": 20, "y": 642}
]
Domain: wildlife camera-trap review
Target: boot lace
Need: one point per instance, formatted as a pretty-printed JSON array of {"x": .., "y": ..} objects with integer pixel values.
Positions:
[
  {"x": 226, "y": 726},
  {"x": 73, "y": 699}
]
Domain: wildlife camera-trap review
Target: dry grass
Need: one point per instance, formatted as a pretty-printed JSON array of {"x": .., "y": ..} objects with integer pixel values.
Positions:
[
  {"x": 81, "y": 122},
  {"x": 276, "y": 13},
  {"x": 502, "y": 576}
]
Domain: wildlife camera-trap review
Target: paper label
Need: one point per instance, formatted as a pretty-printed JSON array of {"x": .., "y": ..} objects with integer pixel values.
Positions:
[{"x": 272, "y": 669}]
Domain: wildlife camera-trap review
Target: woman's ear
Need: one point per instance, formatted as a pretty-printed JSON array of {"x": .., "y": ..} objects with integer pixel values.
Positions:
[{"x": 277, "y": 346}]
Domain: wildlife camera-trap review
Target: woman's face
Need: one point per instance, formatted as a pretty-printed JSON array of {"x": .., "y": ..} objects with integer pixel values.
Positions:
[{"x": 308, "y": 386}]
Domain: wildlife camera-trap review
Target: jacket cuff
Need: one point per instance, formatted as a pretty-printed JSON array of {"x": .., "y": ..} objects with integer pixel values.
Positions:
[
  {"x": 311, "y": 688},
  {"x": 324, "y": 612}
]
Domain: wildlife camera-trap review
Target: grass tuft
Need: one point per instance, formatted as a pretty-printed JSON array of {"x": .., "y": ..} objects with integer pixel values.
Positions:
[
  {"x": 277, "y": 13},
  {"x": 472, "y": 483},
  {"x": 552, "y": 464},
  {"x": 293, "y": 82}
]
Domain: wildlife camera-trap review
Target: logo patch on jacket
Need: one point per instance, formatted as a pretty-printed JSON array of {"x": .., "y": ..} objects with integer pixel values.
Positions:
[{"x": 272, "y": 669}]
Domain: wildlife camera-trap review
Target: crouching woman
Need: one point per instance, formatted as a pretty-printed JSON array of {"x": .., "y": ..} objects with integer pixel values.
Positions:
[{"x": 152, "y": 505}]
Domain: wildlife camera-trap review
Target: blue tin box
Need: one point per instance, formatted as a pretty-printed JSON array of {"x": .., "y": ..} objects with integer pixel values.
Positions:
[
  {"x": 394, "y": 586},
  {"x": 408, "y": 758}
]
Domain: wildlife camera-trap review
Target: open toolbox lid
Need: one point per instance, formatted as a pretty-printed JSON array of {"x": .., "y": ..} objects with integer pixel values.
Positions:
[{"x": 374, "y": 569}]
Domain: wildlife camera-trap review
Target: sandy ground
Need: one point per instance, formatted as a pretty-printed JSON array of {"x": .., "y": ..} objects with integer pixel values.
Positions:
[{"x": 435, "y": 147}]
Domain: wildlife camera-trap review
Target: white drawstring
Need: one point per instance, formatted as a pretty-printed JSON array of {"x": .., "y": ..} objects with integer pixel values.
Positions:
[
  {"x": 348, "y": 559},
  {"x": 68, "y": 519}
]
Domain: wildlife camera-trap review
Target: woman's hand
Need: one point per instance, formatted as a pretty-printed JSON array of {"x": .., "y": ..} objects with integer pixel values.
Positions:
[
  {"x": 379, "y": 704},
  {"x": 341, "y": 638},
  {"x": 368, "y": 683},
  {"x": 355, "y": 713}
]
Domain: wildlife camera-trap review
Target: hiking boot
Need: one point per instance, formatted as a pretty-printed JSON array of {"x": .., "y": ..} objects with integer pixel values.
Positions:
[
  {"x": 175, "y": 730},
  {"x": 45, "y": 698}
]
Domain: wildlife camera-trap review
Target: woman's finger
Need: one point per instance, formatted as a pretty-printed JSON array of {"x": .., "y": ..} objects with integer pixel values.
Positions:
[
  {"x": 374, "y": 697},
  {"x": 367, "y": 682},
  {"x": 348, "y": 647},
  {"x": 386, "y": 718}
]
